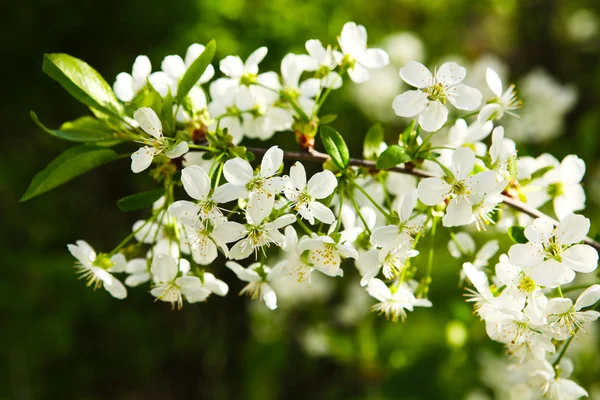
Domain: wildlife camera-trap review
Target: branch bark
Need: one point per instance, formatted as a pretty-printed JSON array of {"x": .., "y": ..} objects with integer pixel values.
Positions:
[{"x": 316, "y": 156}]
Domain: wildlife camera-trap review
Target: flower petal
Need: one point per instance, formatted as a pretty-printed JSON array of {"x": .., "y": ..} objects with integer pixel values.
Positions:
[
  {"x": 464, "y": 97},
  {"x": 164, "y": 268},
  {"x": 433, "y": 191},
  {"x": 322, "y": 213},
  {"x": 433, "y": 117},
  {"x": 298, "y": 175},
  {"x": 177, "y": 151},
  {"x": 195, "y": 182},
  {"x": 148, "y": 121},
  {"x": 572, "y": 229},
  {"x": 416, "y": 74},
  {"x": 459, "y": 212},
  {"x": 463, "y": 161},
  {"x": 580, "y": 258},
  {"x": 494, "y": 82},
  {"x": 238, "y": 172},
  {"x": 410, "y": 103},
  {"x": 141, "y": 159},
  {"x": 525, "y": 255},
  {"x": 322, "y": 184},
  {"x": 271, "y": 162},
  {"x": 450, "y": 74}
]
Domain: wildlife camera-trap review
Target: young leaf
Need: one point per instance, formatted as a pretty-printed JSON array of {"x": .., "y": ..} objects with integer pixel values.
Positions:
[
  {"x": 373, "y": 142},
  {"x": 84, "y": 129},
  {"x": 393, "y": 156},
  {"x": 195, "y": 71},
  {"x": 82, "y": 82},
  {"x": 70, "y": 164},
  {"x": 517, "y": 234},
  {"x": 327, "y": 119},
  {"x": 140, "y": 200},
  {"x": 166, "y": 114},
  {"x": 335, "y": 146}
]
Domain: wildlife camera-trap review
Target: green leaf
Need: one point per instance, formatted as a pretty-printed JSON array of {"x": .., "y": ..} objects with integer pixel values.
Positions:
[
  {"x": 70, "y": 164},
  {"x": 517, "y": 234},
  {"x": 335, "y": 146},
  {"x": 408, "y": 137},
  {"x": 166, "y": 114},
  {"x": 84, "y": 129},
  {"x": 195, "y": 71},
  {"x": 372, "y": 142},
  {"x": 541, "y": 172},
  {"x": 82, "y": 82},
  {"x": 140, "y": 200},
  {"x": 327, "y": 119},
  {"x": 393, "y": 156}
]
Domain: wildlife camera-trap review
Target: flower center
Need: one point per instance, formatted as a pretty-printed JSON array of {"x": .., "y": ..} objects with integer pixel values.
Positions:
[
  {"x": 248, "y": 79},
  {"x": 437, "y": 92},
  {"x": 556, "y": 189}
]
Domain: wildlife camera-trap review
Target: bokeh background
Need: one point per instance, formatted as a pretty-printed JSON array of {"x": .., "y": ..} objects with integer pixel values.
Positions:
[{"x": 60, "y": 340}]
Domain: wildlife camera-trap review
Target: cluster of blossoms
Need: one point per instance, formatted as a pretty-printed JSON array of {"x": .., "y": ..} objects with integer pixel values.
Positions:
[{"x": 265, "y": 225}]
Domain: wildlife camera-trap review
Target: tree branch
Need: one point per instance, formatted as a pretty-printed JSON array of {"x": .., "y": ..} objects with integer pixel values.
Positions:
[{"x": 316, "y": 156}]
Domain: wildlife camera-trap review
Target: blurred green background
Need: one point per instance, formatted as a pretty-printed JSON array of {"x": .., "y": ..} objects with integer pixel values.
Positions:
[{"x": 60, "y": 340}]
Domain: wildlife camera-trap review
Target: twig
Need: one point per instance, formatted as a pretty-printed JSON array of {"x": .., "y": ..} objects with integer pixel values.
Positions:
[{"x": 316, "y": 156}]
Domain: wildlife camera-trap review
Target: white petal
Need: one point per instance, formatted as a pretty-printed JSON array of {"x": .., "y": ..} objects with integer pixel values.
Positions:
[
  {"x": 180, "y": 149},
  {"x": 378, "y": 290},
  {"x": 215, "y": 285},
  {"x": 259, "y": 207},
  {"x": 549, "y": 273},
  {"x": 572, "y": 169},
  {"x": 206, "y": 251},
  {"x": 322, "y": 184},
  {"x": 254, "y": 59},
  {"x": 269, "y": 297},
  {"x": 298, "y": 175},
  {"x": 164, "y": 268},
  {"x": 487, "y": 251},
  {"x": 241, "y": 250},
  {"x": 271, "y": 162},
  {"x": 464, "y": 97},
  {"x": 580, "y": 258},
  {"x": 136, "y": 265},
  {"x": 238, "y": 172},
  {"x": 406, "y": 203},
  {"x": 141, "y": 159},
  {"x": 322, "y": 213},
  {"x": 416, "y": 74},
  {"x": 433, "y": 191},
  {"x": 588, "y": 298},
  {"x": 115, "y": 288},
  {"x": 410, "y": 103},
  {"x": 353, "y": 39},
  {"x": 433, "y": 117},
  {"x": 229, "y": 192},
  {"x": 232, "y": 66},
  {"x": 141, "y": 68},
  {"x": 525, "y": 255},
  {"x": 465, "y": 247},
  {"x": 450, "y": 74},
  {"x": 572, "y": 229},
  {"x": 459, "y": 212},
  {"x": 137, "y": 279},
  {"x": 280, "y": 222},
  {"x": 123, "y": 87},
  {"x": 245, "y": 274},
  {"x": 374, "y": 58},
  {"x": 173, "y": 66},
  {"x": 359, "y": 74},
  {"x": 195, "y": 182},
  {"x": 494, "y": 82},
  {"x": 148, "y": 121},
  {"x": 228, "y": 232},
  {"x": 463, "y": 161},
  {"x": 487, "y": 112}
]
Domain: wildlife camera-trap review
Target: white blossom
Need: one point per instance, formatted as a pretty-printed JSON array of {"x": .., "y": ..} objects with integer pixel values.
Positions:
[
  {"x": 433, "y": 90},
  {"x": 156, "y": 144}
]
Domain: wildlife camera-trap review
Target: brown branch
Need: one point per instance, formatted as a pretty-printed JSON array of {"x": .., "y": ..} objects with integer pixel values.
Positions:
[{"x": 316, "y": 156}]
